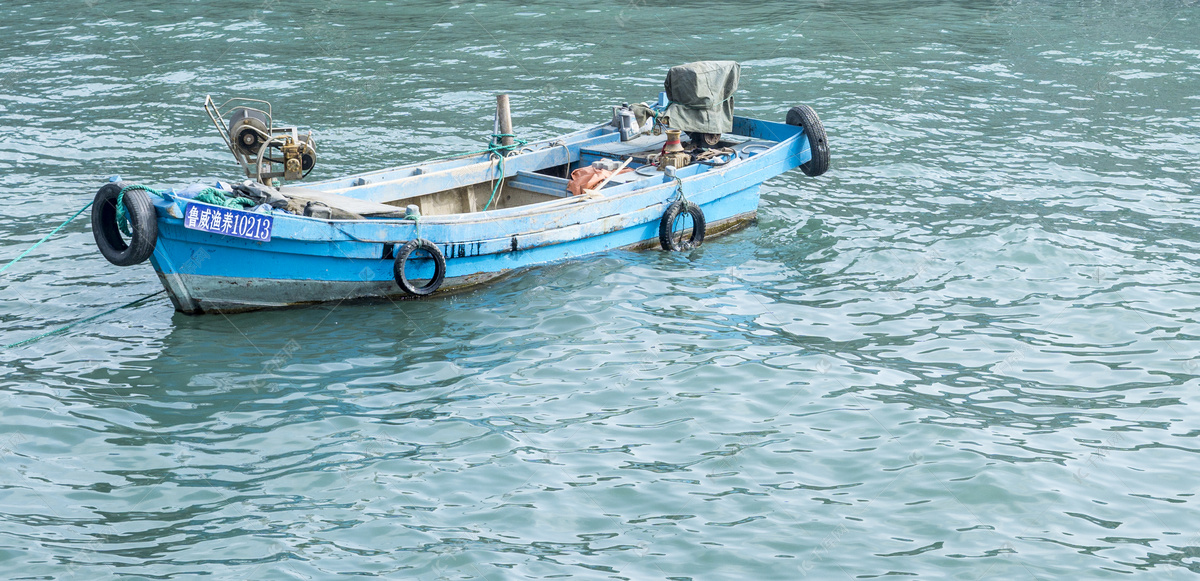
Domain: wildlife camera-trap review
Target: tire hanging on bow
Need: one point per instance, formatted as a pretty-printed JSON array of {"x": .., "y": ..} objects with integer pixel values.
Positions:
[{"x": 120, "y": 207}]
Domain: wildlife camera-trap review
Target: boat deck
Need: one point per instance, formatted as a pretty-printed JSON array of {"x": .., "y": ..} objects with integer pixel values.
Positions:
[{"x": 537, "y": 173}]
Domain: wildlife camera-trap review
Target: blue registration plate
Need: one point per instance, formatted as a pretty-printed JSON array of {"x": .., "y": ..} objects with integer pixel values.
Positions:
[{"x": 227, "y": 221}]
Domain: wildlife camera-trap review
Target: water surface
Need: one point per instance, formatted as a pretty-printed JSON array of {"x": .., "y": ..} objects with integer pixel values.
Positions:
[{"x": 966, "y": 352}]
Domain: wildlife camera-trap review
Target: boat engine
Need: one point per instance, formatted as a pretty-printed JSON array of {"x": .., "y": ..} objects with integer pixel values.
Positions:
[
  {"x": 701, "y": 95},
  {"x": 265, "y": 151}
]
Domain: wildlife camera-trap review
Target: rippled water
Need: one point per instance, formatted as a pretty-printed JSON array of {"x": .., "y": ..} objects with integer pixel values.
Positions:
[{"x": 967, "y": 352}]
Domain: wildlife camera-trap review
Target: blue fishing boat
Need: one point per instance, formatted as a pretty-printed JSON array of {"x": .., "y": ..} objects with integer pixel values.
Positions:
[{"x": 429, "y": 228}]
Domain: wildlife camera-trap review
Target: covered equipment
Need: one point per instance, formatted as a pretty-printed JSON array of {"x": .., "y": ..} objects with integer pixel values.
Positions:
[{"x": 701, "y": 95}]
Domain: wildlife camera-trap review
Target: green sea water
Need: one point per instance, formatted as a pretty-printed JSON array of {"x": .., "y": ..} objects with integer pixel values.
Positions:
[{"x": 969, "y": 351}]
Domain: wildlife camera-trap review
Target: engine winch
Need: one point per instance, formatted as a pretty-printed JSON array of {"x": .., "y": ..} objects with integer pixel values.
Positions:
[
  {"x": 265, "y": 151},
  {"x": 672, "y": 153}
]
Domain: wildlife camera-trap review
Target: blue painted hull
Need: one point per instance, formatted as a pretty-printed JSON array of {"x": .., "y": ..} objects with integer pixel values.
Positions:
[{"x": 312, "y": 260}]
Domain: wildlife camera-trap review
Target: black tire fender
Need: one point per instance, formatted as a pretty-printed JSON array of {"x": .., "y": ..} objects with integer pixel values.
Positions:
[
  {"x": 666, "y": 227},
  {"x": 818, "y": 143},
  {"x": 439, "y": 267},
  {"x": 143, "y": 224}
]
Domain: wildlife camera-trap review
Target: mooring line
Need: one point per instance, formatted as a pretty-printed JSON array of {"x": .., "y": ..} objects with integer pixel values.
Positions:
[
  {"x": 81, "y": 321},
  {"x": 45, "y": 238}
]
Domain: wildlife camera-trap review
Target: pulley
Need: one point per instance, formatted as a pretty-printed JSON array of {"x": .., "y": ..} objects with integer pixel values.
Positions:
[{"x": 249, "y": 129}]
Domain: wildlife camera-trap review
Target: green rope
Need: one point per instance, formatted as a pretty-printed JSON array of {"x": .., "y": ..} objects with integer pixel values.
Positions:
[
  {"x": 81, "y": 321},
  {"x": 500, "y": 151},
  {"x": 496, "y": 137},
  {"x": 122, "y": 213},
  {"x": 207, "y": 195},
  {"x": 122, "y": 221},
  {"x": 496, "y": 149},
  {"x": 219, "y": 198},
  {"x": 496, "y": 186},
  {"x": 46, "y": 237},
  {"x": 416, "y": 218}
]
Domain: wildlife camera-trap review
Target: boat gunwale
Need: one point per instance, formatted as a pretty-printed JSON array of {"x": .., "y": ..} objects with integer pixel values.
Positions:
[{"x": 548, "y": 206}]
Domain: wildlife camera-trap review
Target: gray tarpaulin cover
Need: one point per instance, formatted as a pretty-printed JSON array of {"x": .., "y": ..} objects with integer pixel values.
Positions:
[{"x": 701, "y": 95}]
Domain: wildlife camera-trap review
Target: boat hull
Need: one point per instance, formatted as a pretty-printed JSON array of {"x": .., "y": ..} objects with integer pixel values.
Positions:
[
  {"x": 309, "y": 260},
  {"x": 199, "y": 293}
]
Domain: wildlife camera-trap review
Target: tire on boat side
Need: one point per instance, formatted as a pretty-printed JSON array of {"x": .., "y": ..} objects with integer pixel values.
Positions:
[
  {"x": 143, "y": 225},
  {"x": 804, "y": 116},
  {"x": 439, "y": 267},
  {"x": 666, "y": 227}
]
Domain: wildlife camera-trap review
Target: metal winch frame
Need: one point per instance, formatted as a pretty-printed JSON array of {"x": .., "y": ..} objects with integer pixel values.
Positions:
[{"x": 249, "y": 131}]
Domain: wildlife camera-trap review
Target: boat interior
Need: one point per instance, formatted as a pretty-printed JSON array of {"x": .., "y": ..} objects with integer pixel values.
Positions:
[{"x": 535, "y": 173}]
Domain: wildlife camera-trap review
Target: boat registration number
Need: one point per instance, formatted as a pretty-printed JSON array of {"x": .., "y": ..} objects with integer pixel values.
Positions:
[{"x": 227, "y": 221}]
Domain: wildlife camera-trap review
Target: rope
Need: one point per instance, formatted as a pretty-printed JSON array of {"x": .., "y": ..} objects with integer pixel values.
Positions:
[
  {"x": 122, "y": 213},
  {"x": 497, "y": 150},
  {"x": 81, "y": 321},
  {"x": 122, "y": 221},
  {"x": 679, "y": 190},
  {"x": 500, "y": 151},
  {"x": 207, "y": 195},
  {"x": 685, "y": 214},
  {"x": 496, "y": 185},
  {"x": 416, "y": 218},
  {"x": 221, "y": 198},
  {"x": 45, "y": 238},
  {"x": 710, "y": 157},
  {"x": 123, "y": 224}
]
